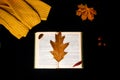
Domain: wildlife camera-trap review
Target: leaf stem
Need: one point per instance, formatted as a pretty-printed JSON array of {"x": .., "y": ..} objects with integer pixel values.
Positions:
[{"x": 58, "y": 65}]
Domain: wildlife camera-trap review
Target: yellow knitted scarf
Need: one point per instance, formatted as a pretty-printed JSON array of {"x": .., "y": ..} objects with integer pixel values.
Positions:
[{"x": 19, "y": 16}]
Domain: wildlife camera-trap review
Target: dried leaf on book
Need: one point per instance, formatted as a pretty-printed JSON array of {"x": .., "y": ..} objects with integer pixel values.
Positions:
[
  {"x": 78, "y": 63},
  {"x": 58, "y": 47}
]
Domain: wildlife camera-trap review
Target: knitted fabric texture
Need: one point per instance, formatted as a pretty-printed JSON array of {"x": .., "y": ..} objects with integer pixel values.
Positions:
[{"x": 19, "y": 16}]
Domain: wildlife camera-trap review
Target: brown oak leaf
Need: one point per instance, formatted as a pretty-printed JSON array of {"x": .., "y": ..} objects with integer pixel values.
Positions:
[{"x": 58, "y": 47}]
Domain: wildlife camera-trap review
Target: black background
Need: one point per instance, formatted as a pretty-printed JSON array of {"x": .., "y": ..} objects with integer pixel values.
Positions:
[{"x": 18, "y": 55}]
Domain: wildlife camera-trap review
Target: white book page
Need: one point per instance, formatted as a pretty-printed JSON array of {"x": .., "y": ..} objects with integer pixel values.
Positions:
[{"x": 43, "y": 57}]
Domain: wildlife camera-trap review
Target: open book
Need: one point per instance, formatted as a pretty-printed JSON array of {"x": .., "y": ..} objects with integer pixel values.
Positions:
[{"x": 58, "y": 50}]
